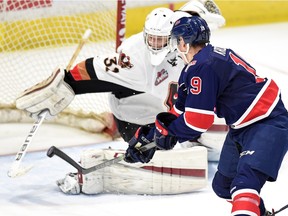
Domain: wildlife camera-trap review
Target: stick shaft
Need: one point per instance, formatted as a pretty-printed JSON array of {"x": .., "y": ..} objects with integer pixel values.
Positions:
[
  {"x": 22, "y": 152},
  {"x": 55, "y": 151},
  {"x": 78, "y": 49},
  {"x": 104, "y": 164}
]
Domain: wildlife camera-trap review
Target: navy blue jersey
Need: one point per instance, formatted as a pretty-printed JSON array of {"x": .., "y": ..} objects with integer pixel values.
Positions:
[{"x": 219, "y": 81}]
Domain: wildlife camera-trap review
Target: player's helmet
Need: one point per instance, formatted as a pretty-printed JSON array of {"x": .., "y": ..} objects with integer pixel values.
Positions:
[
  {"x": 194, "y": 30},
  {"x": 157, "y": 32}
]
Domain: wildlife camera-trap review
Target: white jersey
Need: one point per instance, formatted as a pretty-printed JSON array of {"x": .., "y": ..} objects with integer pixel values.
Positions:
[{"x": 158, "y": 82}]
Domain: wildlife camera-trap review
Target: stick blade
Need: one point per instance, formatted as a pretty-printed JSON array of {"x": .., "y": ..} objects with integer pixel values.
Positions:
[
  {"x": 17, "y": 172},
  {"x": 50, "y": 151}
]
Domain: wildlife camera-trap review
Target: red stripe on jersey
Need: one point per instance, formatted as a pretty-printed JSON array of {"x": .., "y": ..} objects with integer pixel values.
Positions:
[
  {"x": 175, "y": 111},
  {"x": 239, "y": 61},
  {"x": 76, "y": 73},
  {"x": 199, "y": 120},
  {"x": 262, "y": 105}
]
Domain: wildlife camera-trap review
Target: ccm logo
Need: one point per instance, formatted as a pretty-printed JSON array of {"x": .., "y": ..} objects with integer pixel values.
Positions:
[{"x": 246, "y": 153}]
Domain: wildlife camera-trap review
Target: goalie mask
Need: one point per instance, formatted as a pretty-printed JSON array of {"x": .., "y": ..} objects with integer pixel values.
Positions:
[{"x": 157, "y": 32}]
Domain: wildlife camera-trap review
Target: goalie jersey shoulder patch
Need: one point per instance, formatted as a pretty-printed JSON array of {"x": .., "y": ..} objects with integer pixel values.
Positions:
[{"x": 124, "y": 61}]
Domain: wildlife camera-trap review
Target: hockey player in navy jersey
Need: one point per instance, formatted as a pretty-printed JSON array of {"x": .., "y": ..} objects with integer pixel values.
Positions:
[{"x": 218, "y": 80}]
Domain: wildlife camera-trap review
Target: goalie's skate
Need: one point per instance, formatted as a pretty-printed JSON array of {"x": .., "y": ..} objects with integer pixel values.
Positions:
[{"x": 69, "y": 184}]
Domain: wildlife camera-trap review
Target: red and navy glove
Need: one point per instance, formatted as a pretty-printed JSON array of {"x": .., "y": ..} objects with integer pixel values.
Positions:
[
  {"x": 143, "y": 136},
  {"x": 164, "y": 139}
]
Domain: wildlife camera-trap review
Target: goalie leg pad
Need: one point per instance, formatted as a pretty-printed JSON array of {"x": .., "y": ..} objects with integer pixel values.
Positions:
[
  {"x": 169, "y": 172},
  {"x": 52, "y": 94},
  {"x": 213, "y": 141},
  {"x": 92, "y": 183}
]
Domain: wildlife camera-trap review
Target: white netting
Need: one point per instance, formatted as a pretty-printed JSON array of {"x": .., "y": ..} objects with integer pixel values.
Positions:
[{"x": 38, "y": 36}]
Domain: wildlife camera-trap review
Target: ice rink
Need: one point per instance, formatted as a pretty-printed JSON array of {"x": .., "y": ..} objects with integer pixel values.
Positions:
[{"x": 263, "y": 46}]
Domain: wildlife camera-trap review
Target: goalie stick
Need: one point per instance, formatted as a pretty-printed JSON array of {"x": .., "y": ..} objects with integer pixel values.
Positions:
[
  {"x": 55, "y": 151},
  {"x": 15, "y": 169},
  {"x": 78, "y": 49}
]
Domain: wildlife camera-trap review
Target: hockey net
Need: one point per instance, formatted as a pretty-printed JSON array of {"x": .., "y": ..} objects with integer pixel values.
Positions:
[{"x": 39, "y": 35}]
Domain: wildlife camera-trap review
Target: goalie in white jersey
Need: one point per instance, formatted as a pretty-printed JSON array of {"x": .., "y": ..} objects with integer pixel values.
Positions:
[{"x": 142, "y": 76}]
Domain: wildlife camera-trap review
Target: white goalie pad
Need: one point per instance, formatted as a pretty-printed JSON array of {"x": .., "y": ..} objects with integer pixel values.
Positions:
[
  {"x": 169, "y": 172},
  {"x": 212, "y": 140},
  {"x": 52, "y": 94}
]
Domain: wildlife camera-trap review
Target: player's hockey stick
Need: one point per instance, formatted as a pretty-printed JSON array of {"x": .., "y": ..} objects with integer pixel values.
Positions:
[
  {"x": 281, "y": 209},
  {"x": 15, "y": 169},
  {"x": 55, "y": 151}
]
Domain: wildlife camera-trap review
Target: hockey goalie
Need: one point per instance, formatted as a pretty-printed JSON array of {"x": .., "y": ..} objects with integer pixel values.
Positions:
[{"x": 169, "y": 172}]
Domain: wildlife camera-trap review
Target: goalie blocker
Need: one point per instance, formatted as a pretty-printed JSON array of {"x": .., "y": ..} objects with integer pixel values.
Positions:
[
  {"x": 169, "y": 172},
  {"x": 52, "y": 94}
]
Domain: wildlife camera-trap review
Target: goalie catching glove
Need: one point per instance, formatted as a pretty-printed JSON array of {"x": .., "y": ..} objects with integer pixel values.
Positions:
[
  {"x": 163, "y": 139},
  {"x": 208, "y": 10},
  {"x": 52, "y": 94}
]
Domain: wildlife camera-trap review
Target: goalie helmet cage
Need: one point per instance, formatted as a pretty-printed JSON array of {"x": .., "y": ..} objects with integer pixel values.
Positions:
[{"x": 37, "y": 36}]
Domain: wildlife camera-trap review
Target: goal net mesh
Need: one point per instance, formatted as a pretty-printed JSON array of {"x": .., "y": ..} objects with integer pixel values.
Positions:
[{"x": 38, "y": 36}]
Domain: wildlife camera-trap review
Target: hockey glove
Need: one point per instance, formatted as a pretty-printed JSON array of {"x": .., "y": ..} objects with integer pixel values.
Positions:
[
  {"x": 164, "y": 139},
  {"x": 52, "y": 94},
  {"x": 143, "y": 136}
]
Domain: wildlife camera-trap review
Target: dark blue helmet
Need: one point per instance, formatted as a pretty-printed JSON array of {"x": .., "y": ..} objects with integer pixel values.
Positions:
[{"x": 194, "y": 30}]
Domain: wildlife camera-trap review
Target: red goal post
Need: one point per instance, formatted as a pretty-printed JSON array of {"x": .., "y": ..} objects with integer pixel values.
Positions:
[{"x": 39, "y": 35}]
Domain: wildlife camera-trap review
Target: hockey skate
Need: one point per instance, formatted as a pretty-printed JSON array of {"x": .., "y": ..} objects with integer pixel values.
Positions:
[{"x": 69, "y": 184}]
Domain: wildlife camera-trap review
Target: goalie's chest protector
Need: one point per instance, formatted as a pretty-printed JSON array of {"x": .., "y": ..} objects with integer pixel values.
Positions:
[
  {"x": 164, "y": 79},
  {"x": 159, "y": 81},
  {"x": 135, "y": 71}
]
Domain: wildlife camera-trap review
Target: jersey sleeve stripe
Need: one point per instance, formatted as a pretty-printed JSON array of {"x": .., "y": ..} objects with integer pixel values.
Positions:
[
  {"x": 198, "y": 120},
  {"x": 262, "y": 105},
  {"x": 175, "y": 111},
  {"x": 79, "y": 72}
]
